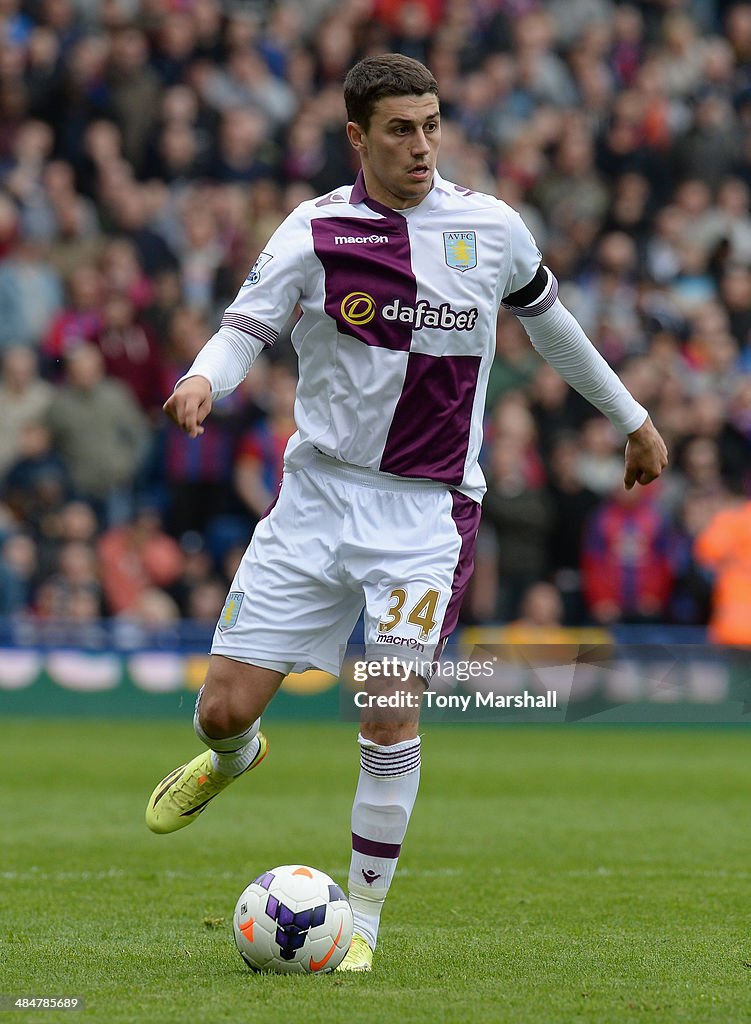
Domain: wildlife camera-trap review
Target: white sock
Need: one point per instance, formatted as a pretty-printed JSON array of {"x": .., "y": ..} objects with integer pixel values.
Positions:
[
  {"x": 233, "y": 754},
  {"x": 385, "y": 796}
]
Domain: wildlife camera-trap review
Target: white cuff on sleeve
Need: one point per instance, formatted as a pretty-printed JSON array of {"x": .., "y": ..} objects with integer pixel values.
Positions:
[{"x": 225, "y": 360}]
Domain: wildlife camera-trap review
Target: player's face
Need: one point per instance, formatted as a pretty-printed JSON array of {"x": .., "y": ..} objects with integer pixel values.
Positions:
[{"x": 399, "y": 149}]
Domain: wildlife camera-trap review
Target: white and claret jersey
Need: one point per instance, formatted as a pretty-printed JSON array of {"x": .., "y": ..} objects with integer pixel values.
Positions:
[{"x": 398, "y": 325}]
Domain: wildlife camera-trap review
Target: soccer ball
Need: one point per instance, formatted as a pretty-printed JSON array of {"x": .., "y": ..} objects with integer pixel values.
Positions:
[{"x": 294, "y": 920}]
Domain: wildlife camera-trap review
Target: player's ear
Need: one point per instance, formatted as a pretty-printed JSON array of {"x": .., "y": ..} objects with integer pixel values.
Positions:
[{"x": 356, "y": 136}]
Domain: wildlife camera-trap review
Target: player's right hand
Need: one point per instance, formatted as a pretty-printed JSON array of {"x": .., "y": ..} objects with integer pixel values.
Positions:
[{"x": 189, "y": 405}]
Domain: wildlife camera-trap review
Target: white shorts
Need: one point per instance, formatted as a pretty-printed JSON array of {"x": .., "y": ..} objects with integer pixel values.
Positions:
[{"x": 340, "y": 539}]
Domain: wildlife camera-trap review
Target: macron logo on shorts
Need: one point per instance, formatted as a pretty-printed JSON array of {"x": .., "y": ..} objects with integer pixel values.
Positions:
[{"x": 360, "y": 239}]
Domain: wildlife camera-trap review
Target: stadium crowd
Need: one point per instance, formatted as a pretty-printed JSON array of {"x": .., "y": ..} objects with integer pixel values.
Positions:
[{"x": 149, "y": 147}]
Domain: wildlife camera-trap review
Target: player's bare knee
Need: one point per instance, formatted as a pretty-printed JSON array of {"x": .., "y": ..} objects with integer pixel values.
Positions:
[
  {"x": 234, "y": 695},
  {"x": 385, "y": 734},
  {"x": 221, "y": 716}
]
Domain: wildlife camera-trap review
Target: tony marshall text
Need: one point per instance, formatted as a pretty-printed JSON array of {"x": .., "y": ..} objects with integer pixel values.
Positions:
[{"x": 457, "y": 701}]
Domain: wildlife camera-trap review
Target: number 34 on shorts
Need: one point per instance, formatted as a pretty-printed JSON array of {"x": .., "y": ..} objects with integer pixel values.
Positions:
[{"x": 404, "y": 610}]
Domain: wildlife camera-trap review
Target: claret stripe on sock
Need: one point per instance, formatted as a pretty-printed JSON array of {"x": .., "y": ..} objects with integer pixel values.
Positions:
[
  {"x": 389, "y": 771},
  {"x": 390, "y": 763},
  {"x": 403, "y": 755},
  {"x": 371, "y": 848}
]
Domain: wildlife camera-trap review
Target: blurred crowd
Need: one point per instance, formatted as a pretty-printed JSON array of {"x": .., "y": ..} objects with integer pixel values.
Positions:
[{"x": 149, "y": 147}]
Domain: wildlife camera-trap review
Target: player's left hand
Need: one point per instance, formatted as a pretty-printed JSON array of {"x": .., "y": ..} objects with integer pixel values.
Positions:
[{"x": 646, "y": 455}]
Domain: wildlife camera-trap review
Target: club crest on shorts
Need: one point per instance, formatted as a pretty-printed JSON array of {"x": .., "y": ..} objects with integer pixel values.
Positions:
[
  {"x": 231, "y": 610},
  {"x": 460, "y": 248}
]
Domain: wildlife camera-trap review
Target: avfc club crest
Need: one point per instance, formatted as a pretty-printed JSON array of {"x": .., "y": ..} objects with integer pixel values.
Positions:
[
  {"x": 460, "y": 248},
  {"x": 231, "y": 610}
]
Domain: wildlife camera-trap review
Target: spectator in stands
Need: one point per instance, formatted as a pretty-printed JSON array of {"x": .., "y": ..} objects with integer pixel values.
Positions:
[
  {"x": 708, "y": 419},
  {"x": 201, "y": 254},
  {"x": 520, "y": 515},
  {"x": 540, "y": 624},
  {"x": 73, "y": 587},
  {"x": 515, "y": 363},
  {"x": 70, "y": 615},
  {"x": 99, "y": 159},
  {"x": 176, "y": 157},
  {"x": 572, "y": 504},
  {"x": 699, "y": 465},
  {"x": 100, "y": 433},
  {"x": 308, "y": 155},
  {"x": 32, "y": 147},
  {"x": 205, "y": 601},
  {"x": 197, "y": 475},
  {"x": 36, "y": 484},
  {"x": 245, "y": 82},
  {"x": 513, "y": 422},
  {"x": 153, "y": 611},
  {"x": 136, "y": 557},
  {"x": 628, "y": 561},
  {"x": 167, "y": 296},
  {"x": 599, "y": 466},
  {"x": 723, "y": 548},
  {"x": 128, "y": 206},
  {"x": 242, "y": 152},
  {"x": 133, "y": 90},
  {"x": 18, "y": 569},
  {"x": 80, "y": 320},
  {"x": 122, "y": 271},
  {"x": 24, "y": 399},
  {"x": 735, "y": 220},
  {"x": 711, "y": 147},
  {"x": 557, "y": 409},
  {"x": 691, "y": 600},
  {"x": 73, "y": 522},
  {"x": 260, "y": 453},
  {"x": 30, "y": 291},
  {"x": 175, "y": 45},
  {"x": 197, "y": 567},
  {"x": 735, "y": 294},
  {"x": 77, "y": 238},
  {"x": 572, "y": 190},
  {"x": 131, "y": 353}
]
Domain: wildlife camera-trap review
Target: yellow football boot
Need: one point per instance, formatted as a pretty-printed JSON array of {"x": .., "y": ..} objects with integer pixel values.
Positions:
[
  {"x": 184, "y": 793},
  {"x": 359, "y": 956}
]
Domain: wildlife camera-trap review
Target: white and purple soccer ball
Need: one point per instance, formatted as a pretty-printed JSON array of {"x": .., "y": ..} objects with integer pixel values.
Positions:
[{"x": 293, "y": 920}]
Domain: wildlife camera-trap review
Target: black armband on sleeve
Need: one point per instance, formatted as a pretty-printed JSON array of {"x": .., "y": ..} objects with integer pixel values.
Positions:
[{"x": 523, "y": 302}]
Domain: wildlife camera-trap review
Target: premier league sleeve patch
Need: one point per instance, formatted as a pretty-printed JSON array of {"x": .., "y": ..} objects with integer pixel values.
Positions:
[
  {"x": 460, "y": 248},
  {"x": 231, "y": 610},
  {"x": 255, "y": 271}
]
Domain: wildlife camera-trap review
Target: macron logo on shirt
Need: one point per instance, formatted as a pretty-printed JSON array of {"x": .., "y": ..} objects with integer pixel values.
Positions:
[{"x": 360, "y": 239}]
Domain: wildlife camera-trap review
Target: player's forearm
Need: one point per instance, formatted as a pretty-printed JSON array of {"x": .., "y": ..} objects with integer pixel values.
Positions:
[
  {"x": 559, "y": 339},
  {"x": 225, "y": 360}
]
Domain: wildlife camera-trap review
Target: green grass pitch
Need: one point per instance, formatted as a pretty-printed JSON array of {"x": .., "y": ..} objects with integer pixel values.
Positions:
[{"x": 553, "y": 876}]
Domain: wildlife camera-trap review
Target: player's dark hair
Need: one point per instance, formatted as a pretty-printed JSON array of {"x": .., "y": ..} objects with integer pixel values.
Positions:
[{"x": 388, "y": 74}]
